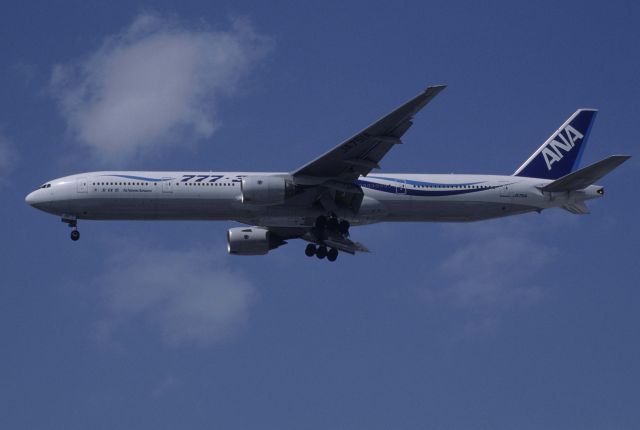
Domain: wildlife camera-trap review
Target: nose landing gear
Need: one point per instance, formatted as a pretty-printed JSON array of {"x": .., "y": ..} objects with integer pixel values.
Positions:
[{"x": 73, "y": 223}]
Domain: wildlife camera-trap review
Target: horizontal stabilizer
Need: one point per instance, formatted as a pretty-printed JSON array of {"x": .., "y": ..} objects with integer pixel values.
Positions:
[
  {"x": 578, "y": 208},
  {"x": 584, "y": 177}
]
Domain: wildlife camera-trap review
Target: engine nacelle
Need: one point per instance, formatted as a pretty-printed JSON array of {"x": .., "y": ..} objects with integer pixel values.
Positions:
[
  {"x": 264, "y": 190},
  {"x": 251, "y": 241}
]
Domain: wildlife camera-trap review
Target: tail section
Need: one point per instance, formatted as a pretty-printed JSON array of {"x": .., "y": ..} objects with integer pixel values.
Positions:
[
  {"x": 581, "y": 183},
  {"x": 561, "y": 153}
]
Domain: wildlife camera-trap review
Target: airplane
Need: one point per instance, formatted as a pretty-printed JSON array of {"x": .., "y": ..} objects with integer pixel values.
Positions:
[{"x": 321, "y": 200}]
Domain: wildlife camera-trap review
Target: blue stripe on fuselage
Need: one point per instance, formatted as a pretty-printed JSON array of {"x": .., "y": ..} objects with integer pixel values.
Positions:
[
  {"x": 423, "y": 183},
  {"x": 394, "y": 189},
  {"x": 140, "y": 178}
]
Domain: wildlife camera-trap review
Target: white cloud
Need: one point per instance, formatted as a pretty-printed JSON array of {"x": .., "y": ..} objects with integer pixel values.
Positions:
[
  {"x": 490, "y": 271},
  {"x": 498, "y": 265},
  {"x": 154, "y": 83},
  {"x": 185, "y": 296}
]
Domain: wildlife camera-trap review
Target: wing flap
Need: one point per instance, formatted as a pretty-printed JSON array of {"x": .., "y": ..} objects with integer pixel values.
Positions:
[{"x": 346, "y": 245}]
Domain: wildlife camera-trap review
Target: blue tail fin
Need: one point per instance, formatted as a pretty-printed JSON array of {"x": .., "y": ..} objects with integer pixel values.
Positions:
[{"x": 561, "y": 153}]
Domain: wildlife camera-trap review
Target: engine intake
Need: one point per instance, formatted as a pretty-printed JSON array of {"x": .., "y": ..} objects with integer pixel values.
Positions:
[
  {"x": 251, "y": 241},
  {"x": 265, "y": 190}
]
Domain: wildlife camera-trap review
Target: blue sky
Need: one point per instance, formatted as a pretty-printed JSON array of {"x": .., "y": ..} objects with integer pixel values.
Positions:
[{"x": 529, "y": 322}]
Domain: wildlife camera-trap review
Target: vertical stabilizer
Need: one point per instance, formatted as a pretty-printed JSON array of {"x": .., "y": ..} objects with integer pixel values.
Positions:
[{"x": 561, "y": 153}]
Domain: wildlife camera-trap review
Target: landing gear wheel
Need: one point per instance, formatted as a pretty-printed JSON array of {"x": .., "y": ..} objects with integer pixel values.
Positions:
[
  {"x": 321, "y": 252},
  {"x": 310, "y": 250},
  {"x": 343, "y": 227},
  {"x": 75, "y": 235},
  {"x": 332, "y": 254}
]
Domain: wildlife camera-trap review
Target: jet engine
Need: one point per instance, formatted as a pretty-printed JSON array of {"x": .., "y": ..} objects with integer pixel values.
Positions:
[
  {"x": 251, "y": 241},
  {"x": 265, "y": 190}
]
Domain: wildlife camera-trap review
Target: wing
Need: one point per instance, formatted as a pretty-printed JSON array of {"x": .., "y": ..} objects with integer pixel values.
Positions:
[{"x": 362, "y": 153}]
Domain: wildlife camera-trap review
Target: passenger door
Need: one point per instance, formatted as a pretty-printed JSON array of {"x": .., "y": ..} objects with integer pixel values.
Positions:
[
  {"x": 82, "y": 185},
  {"x": 166, "y": 185}
]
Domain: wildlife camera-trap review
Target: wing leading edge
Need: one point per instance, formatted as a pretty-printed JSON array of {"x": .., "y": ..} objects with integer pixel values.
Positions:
[{"x": 361, "y": 153}]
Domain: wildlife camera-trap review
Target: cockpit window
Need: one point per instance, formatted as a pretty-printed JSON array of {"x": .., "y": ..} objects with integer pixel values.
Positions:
[{"x": 45, "y": 186}]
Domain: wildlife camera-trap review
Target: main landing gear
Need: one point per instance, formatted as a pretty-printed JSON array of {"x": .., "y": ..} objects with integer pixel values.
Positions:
[
  {"x": 321, "y": 252},
  {"x": 325, "y": 227},
  {"x": 332, "y": 224},
  {"x": 73, "y": 223}
]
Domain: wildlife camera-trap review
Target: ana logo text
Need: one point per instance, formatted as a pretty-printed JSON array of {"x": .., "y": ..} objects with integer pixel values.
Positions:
[{"x": 555, "y": 150}]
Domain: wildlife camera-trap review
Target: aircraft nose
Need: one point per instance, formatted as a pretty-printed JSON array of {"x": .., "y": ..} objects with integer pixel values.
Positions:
[
  {"x": 35, "y": 199},
  {"x": 31, "y": 198}
]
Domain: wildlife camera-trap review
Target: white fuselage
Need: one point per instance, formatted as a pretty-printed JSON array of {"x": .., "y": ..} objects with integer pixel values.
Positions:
[{"x": 218, "y": 196}]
